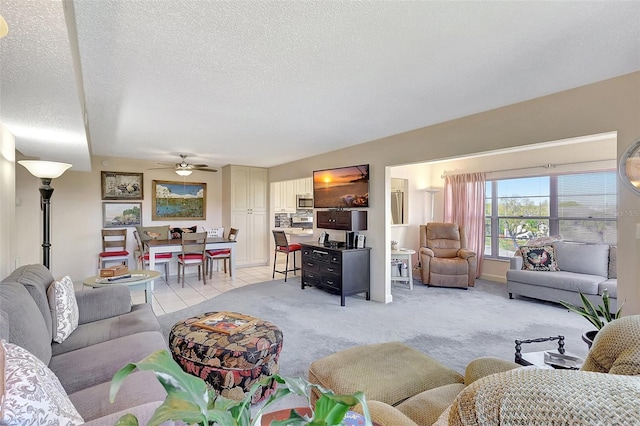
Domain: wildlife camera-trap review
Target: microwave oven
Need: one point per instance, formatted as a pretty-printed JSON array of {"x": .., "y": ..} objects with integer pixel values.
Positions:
[{"x": 304, "y": 201}]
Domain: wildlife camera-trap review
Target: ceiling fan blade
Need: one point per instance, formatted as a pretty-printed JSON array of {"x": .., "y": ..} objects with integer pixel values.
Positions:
[
  {"x": 162, "y": 168},
  {"x": 199, "y": 166},
  {"x": 206, "y": 170}
]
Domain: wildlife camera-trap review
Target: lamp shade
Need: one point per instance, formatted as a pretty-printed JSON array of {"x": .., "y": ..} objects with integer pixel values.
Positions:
[
  {"x": 45, "y": 169},
  {"x": 184, "y": 172},
  {"x": 4, "y": 28}
]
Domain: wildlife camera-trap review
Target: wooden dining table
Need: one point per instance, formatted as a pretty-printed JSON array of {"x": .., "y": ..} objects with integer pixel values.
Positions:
[{"x": 175, "y": 246}]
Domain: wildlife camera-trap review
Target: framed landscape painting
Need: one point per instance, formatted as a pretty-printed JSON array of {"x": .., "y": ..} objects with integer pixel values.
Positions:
[
  {"x": 178, "y": 200},
  {"x": 116, "y": 215},
  {"x": 122, "y": 186}
]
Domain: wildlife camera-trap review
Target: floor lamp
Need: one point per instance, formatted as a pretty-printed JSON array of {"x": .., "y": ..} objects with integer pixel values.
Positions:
[{"x": 45, "y": 170}]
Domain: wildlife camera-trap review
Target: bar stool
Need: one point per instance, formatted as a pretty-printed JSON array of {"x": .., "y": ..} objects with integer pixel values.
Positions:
[{"x": 283, "y": 246}]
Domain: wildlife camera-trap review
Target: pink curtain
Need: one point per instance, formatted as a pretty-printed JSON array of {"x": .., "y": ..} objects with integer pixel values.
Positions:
[{"x": 464, "y": 205}]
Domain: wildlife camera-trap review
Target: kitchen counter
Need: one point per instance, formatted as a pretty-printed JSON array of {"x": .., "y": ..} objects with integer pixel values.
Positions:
[
  {"x": 298, "y": 231},
  {"x": 297, "y": 235}
]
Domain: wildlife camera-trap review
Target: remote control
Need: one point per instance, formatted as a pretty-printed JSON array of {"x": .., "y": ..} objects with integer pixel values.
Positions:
[{"x": 119, "y": 277}]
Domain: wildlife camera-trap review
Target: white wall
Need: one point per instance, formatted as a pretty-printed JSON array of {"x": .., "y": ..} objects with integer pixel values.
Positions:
[
  {"x": 76, "y": 213},
  {"x": 608, "y": 106},
  {"x": 7, "y": 201}
]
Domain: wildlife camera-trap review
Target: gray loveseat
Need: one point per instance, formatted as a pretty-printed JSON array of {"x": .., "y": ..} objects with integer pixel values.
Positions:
[
  {"x": 589, "y": 268},
  {"x": 110, "y": 334}
]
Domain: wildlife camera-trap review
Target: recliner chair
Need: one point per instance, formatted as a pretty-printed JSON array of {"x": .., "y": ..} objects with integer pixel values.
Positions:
[{"x": 444, "y": 258}]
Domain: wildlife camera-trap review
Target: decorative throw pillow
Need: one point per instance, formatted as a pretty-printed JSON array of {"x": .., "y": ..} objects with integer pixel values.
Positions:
[
  {"x": 176, "y": 233},
  {"x": 539, "y": 258},
  {"x": 30, "y": 393},
  {"x": 64, "y": 308}
]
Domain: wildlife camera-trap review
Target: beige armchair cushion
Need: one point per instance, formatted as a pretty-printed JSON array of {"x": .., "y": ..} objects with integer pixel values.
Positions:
[
  {"x": 535, "y": 396},
  {"x": 426, "y": 407},
  {"x": 616, "y": 348}
]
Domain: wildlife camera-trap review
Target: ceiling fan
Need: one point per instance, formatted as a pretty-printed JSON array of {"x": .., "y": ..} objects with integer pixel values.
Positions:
[{"x": 183, "y": 168}]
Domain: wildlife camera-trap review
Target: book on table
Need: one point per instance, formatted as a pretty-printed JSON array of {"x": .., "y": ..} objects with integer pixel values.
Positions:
[{"x": 226, "y": 322}]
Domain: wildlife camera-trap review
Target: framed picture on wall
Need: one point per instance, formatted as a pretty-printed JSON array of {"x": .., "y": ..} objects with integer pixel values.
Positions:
[
  {"x": 122, "y": 186},
  {"x": 178, "y": 200},
  {"x": 115, "y": 215}
]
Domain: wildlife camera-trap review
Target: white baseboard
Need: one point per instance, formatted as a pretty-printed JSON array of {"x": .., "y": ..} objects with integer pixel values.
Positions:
[{"x": 494, "y": 278}]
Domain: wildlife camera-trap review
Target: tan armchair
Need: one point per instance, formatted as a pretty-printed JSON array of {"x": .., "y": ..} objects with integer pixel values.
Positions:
[
  {"x": 445, "y": 260},
  {"x": 605, "y": 391}
]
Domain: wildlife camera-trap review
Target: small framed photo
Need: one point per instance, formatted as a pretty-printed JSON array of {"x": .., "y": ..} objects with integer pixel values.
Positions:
[
  {"x": 122, "y": 186},
  {"x": 117, "y": 215}
]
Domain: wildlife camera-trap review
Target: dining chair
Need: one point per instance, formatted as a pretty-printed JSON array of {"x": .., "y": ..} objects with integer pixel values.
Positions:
[
  {"x": 142, "y": 257},
  {"x": 114, "y": 247},
  {"x": 225, "y": 253},
  {"x": 194, "y": 246},
  {"x": 283, "y": 246}
]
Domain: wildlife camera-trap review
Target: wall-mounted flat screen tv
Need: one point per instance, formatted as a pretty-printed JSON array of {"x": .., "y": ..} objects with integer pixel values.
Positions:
[{"x": 343, "y": 187}]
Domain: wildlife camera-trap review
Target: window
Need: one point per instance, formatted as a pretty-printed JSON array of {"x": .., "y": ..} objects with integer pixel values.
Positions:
[{"x": 577, "y": 207}]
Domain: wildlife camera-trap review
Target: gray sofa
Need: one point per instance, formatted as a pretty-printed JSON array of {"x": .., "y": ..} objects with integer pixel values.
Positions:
[
  {"x": 589, "y": 268},
  {"x": 110, "y": 334}
]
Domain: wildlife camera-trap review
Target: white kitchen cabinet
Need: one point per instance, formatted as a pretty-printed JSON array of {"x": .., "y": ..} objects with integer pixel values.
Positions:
[
  {"x": 284, "y": 197},
  {"x": 276, "y": 196},
  {"x": 290, "y": 196},
  {"x": 285, "y": 192},
  {"x": 252, "y": 240},
  {"x": 304, "y": 186},
  {"x": 244, "y": 207}
]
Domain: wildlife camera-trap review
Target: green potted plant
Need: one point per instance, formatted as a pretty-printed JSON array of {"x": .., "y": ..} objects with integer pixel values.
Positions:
[
  {"x": 190, "y": 400},
  {"x": 598, "y": 316}
]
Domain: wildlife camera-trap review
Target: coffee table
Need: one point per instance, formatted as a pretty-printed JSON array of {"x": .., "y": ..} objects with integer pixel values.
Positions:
[
  {"x": 139, "y": 277},
  {"x": 537, "y": 358}
]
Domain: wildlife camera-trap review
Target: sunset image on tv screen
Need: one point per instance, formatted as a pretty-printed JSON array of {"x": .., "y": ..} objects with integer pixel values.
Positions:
[{"x": 343, "y": 187}]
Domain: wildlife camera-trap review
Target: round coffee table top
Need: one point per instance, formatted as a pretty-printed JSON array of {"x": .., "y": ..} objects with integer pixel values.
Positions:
[{"x": 138, "y": 276}]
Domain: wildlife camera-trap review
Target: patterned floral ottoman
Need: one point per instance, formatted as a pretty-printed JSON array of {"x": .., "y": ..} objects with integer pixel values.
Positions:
[{"x": 229, "y": 363}]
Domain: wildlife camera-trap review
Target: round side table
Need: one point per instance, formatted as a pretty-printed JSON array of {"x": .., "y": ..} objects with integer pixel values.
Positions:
[{"x": 404, "y": 255}]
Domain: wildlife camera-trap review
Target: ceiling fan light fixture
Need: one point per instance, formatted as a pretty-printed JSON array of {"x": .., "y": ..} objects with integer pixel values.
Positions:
[
  {"x": 4, "y": 28},
  {"x": 183, "y": 172}
]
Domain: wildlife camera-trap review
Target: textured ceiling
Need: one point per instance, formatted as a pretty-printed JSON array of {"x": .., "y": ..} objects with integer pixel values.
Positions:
[{"x": 264, "y": 83}]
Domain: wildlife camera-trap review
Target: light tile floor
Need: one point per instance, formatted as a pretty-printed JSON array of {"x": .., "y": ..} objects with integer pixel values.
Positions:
[{"x": 170, "y": 297}]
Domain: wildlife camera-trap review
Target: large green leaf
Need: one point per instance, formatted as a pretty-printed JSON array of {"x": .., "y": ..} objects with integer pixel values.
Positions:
[
  {"x": 127, "y": 420},
  {"x": 294, "y": 419},
  {"x": 177, "y": 383},
  {"x": 174, "y": 408}
]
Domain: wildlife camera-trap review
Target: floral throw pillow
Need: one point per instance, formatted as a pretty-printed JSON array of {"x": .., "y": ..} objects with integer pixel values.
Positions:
[
  {"x": 64, "y": 308},
  {"x": 539, "y": 258},
  {"x": 30, "y": 393}
]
